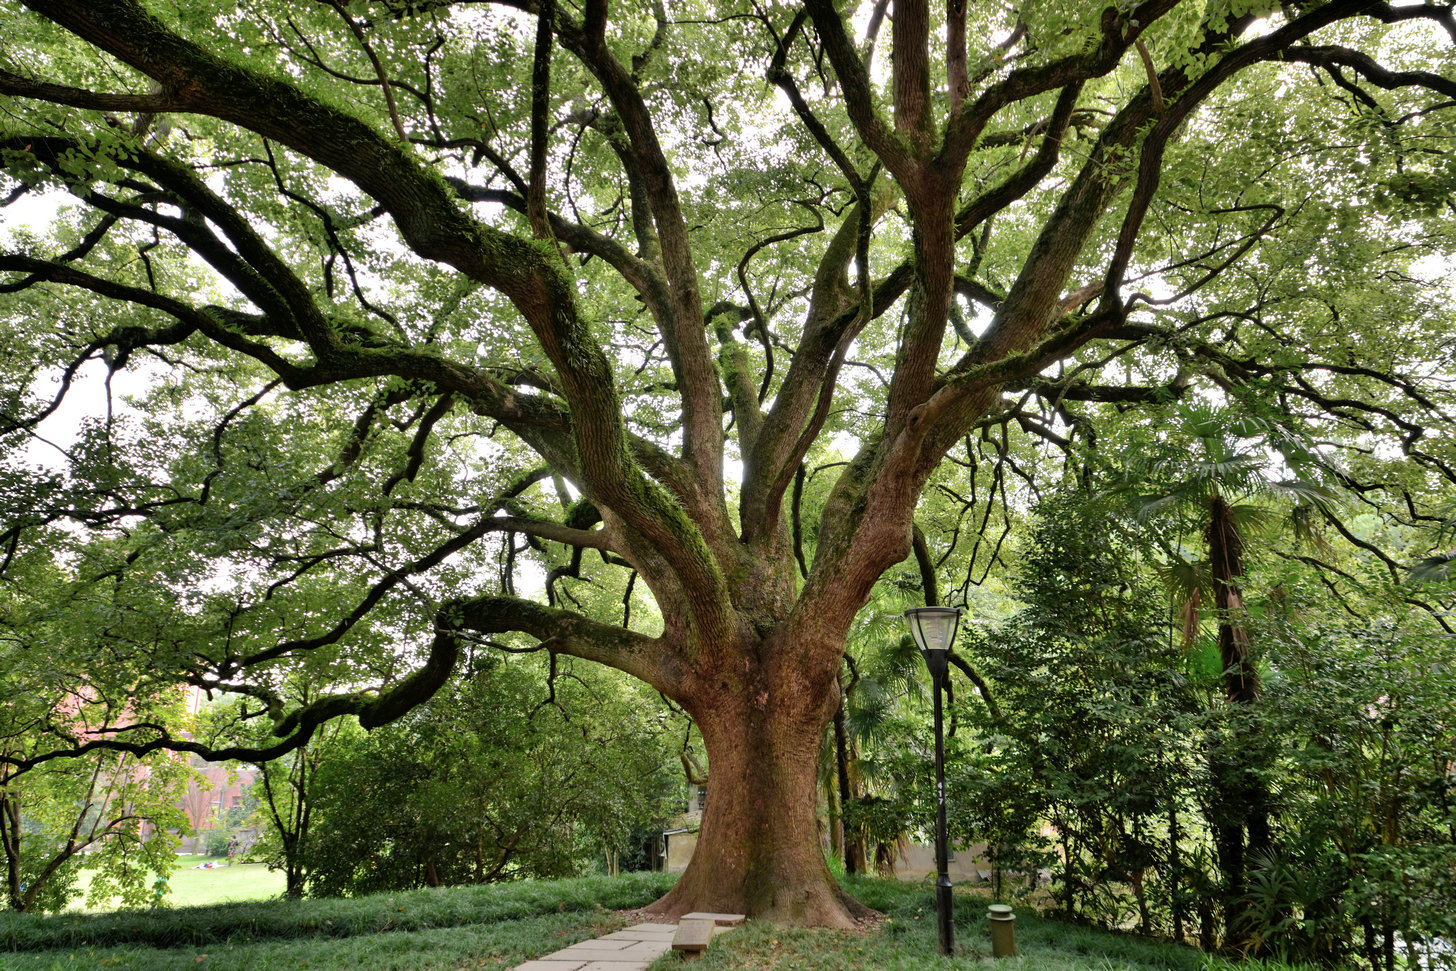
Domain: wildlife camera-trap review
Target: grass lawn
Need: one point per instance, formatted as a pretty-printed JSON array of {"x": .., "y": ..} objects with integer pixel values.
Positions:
[
  {"x": 907, "y": 941},
  {"x": 221, "y": 884},
  {"x": 503, "y": 925}
]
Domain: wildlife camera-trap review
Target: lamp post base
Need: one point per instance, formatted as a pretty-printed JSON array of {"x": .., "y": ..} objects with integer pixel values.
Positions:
[{"x": 945, "y": 916}]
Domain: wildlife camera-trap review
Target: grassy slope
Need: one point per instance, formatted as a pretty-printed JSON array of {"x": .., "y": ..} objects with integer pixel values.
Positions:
[
  {"x": 503, "y": 944},
  {"x": 492, "y": 926},
  {"x": 907, "y": 941},
  {"x": 501, "y": 926}
]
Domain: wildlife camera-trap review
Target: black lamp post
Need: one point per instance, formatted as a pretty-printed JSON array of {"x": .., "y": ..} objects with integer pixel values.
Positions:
[{"x": 934, "y": 629}]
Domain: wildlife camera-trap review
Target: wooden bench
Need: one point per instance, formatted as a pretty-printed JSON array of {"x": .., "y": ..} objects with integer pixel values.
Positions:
[{"x": 695, "y": 931}]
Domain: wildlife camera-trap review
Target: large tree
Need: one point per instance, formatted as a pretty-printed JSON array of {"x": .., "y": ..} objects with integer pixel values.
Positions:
[{"x": 419, "y": 284}]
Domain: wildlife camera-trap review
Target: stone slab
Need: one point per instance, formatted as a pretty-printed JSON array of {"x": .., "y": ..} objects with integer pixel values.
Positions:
[
  {"x": 591, "y": 951},
  {"x": 693, "y": 934},
  {"x": 602, "y": 944},
  {"x": 722, "y": 920},
  {"x": 629, "y": 949}
]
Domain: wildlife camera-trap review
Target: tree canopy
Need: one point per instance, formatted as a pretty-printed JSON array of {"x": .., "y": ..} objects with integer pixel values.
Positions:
[{"x": 461, "y": 326}]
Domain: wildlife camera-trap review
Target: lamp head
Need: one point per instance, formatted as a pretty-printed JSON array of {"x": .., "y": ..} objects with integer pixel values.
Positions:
[{"x": 934, "y": 629}]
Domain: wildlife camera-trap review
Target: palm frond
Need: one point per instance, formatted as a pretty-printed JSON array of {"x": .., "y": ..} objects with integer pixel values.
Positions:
[
  {"x": 1188, "y": 582},
  {"x": 1440, "y": 568},
  {"x": 1307, "y": 529},
  {"x": 1252, "y": 519},
  {"x": 1226, "y": 474},
  {"x": 1306, "y": 492},
  {"x": 1147, "y": 508},
  {"x": 870, "y": 708},
  {"x": 1190, "y": 619},
  {"x": 1185, "y": 579}
]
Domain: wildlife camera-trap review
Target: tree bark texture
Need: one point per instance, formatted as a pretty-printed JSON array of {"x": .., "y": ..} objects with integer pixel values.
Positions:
[{"x": 759, "y": 849}]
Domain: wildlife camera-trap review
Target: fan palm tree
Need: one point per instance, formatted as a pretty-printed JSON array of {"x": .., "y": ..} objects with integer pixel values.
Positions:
[{"x": 1216, "y": 476}]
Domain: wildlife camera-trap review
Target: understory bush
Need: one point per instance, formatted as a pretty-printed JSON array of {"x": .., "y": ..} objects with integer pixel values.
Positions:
[
  {"x": 485, "y": 783},
  {"x": 1110, "y": 755},
  {"x": 1089, "y": 765},
  {"x": 1365, "y": 866}
]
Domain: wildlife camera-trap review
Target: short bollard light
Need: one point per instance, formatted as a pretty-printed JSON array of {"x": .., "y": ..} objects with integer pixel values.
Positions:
[{"x": 1003, "y": 930}]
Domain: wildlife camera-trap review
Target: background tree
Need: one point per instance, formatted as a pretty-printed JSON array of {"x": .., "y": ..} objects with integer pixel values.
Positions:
[
  {"x": 413, "y": 322},
  {"x": 286, "y": 789},
  {"x": 486, "y": 782},
  {"x": 1096, "y": 724},
  {"x": 1213, "y": 478},
  {"x": 1368, "y": 834},
  {"x": 108, "y": 809},
  {"x": 110, "y": 812}
]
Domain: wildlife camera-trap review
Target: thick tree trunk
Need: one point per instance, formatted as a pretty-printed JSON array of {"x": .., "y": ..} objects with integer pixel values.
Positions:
[
  {"x": 759, "y": 850},
  {"x": 1228, "y": 838}
]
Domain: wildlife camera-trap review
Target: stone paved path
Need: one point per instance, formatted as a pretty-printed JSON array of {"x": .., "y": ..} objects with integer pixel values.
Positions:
[{"x": 629, "y": 949}]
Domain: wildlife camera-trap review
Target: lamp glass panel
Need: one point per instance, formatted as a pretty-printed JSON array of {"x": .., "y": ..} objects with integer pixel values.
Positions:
[
  {"x": 934, "y": 627},
  {"x": 915, "y": 629},
  {"x": 935, "y": 630}
]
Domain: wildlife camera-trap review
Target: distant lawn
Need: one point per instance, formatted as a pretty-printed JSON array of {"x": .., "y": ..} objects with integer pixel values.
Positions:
[
  {"x": 221, "y": 884},
  {"x": 503, "y": 925}
]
